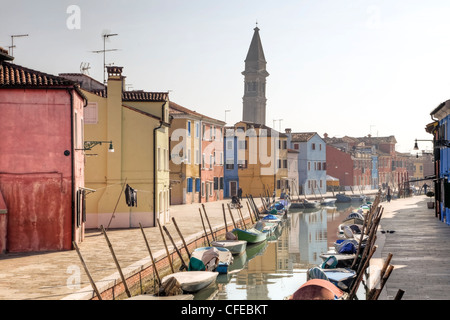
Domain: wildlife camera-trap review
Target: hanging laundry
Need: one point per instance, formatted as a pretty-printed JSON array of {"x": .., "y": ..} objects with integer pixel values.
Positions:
[{"x": 130, "y": 196}]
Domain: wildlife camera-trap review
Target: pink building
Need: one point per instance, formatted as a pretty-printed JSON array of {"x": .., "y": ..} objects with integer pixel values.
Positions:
[{"x": 41, "y": 161}]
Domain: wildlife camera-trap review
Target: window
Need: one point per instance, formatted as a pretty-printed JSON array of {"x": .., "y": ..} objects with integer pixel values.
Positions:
[
  {"x": 221, "y": 183},
  {"x": 189, "y": 184},
  {"x": 296, "y": 146},
  {"x": 188, "y": 159},
  {"x": 284, "y": 144},
  {"x": 203, "y": 161},
  {"x": 309, "y": 166},
  {"x": 91, "y": 113},
  {"x": 242, "y": 164},
  {"x": 285, "y": 165},
  {"x": 197, "y": 185},
  {"x": 313, "y": 146},
  {"x": 189, "y": 129},
  {"x": 203, "y": 189},
  {"x": 229, "y": 145},
  {"x": 159, "y": 159},
  {"x": 216, "y": 183},
  {"x": 197, "y": 129}
]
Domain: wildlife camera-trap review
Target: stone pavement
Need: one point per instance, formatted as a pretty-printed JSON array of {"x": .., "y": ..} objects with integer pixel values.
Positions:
[
  {"x": 420, "y": 255},
  {"x": 419, "y": 245}
]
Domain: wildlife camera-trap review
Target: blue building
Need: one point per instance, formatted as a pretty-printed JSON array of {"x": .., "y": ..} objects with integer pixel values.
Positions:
[
  {"x": 375, "y": 180},
  {"x": 230, "y": 172},
  {"x": 441, "y": 135},
  {"x": 312, "y": 174}
]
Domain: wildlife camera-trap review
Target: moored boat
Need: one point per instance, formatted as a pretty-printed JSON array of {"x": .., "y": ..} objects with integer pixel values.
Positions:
[
  {"x": 251, "y": 235},
  {"x": 236, "y": 247},
  {"x": 317, "y": 289},
  {"x": 211, "y": 259},
  {"x": 192, "y": 281},
  {"x": 341, "y": 197},
  {"x": 340, "y": 277}
]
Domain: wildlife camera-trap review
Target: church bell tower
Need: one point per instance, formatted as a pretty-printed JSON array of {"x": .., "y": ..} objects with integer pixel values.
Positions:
[{"x": 255, "y": 74}]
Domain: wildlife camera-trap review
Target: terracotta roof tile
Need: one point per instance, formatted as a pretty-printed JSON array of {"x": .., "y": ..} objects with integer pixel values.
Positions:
[{"x": 12, "y": 75}]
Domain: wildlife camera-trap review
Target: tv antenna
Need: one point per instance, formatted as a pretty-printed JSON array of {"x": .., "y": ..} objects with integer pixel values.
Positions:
[
  {"x": 105, "y": 36},
  {"x": 84, "y": 68},
  {"x": 12, "y": 46}
]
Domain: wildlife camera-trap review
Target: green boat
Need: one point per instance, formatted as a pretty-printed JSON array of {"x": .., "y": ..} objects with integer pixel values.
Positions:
[{"x": 251, "y": 235}]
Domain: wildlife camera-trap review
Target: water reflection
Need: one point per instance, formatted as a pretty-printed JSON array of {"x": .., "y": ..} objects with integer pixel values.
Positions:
[{"x": 276, "y": 268}]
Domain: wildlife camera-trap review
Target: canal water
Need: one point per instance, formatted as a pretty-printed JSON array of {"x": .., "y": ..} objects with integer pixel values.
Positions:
[{"x": 276, "y": 268}]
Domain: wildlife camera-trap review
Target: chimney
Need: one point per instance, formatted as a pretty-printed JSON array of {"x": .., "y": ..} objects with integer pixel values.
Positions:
[
  {"x": 288, "y": 130},
  {"x": 4, "y": 56}
]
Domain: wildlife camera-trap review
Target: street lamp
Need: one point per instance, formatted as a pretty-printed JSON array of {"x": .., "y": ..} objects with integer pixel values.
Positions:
[
  {"x": 437, "y": 143},
  {"x": 88, "y": 145}
]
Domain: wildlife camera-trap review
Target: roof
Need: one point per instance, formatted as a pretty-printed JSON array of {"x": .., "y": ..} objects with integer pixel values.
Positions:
[
  {"x": 12, "y": 75},
  {"x": 176, "y": 109},
  {"x": 256, "y": 52},
  {"x": 302, "y": 136},
  {"x": 15, "y": 76},
  {"x": 93, "y": 86}
]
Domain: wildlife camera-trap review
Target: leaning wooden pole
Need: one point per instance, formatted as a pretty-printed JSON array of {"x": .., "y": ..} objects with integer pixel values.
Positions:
[
  {"x": 183, "y": 264},
  {"x": 204, "y": 228},
  {"x": 359, "y": 276},
  {"x": 209, "y": 224},
  {"x": 151, "y": 255},
  {"x": 232, "y": 218},
  {"x": 165, "y": 246},
  {"x": 117, "y": 263},
  {"x": 380, "y": 277},
  {"x": 87, "y": 271},
  {"x": 182, "y": 238},
  {"x": 224, "y": 217}
]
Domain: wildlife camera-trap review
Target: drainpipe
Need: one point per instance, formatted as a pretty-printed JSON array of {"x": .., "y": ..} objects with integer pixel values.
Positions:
[{"x": 161, "y": 124}]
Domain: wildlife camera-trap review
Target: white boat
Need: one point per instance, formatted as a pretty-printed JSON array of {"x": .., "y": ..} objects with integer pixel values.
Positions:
[
  {"x": 236, "y": 247},
  {"x": 193, "y": 281},
  {"x": 211, "y": 258}
]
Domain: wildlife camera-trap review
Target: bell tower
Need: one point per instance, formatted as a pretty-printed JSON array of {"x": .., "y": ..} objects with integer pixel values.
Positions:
[{"x": 255, "y": 74}]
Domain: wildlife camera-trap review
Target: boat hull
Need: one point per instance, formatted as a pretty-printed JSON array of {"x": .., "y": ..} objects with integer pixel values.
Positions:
[
  {"x": 250, "y": 235},
  {"x": 236, "y": 247},
  {"x": 193, "y": 281}
]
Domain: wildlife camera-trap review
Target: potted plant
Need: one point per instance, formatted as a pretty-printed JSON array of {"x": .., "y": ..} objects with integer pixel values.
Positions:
[{"x": 430, "y": 203}]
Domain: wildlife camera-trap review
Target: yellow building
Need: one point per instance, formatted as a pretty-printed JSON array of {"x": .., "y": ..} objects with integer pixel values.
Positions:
[
  {"x": 129, "y": 186},
  {"x": 262, "y": 159}
]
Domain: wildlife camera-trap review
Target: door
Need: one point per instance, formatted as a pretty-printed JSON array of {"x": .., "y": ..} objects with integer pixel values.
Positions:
[{"x": 233, "y": 188}]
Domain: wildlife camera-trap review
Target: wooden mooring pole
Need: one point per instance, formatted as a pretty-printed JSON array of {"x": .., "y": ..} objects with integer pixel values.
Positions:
[
  {"x": 87, "y": 271},
  {"x": 117, "y": 263}
]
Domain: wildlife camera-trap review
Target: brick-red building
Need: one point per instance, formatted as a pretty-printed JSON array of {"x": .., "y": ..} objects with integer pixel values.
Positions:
[{"x": 41, "y": 171}]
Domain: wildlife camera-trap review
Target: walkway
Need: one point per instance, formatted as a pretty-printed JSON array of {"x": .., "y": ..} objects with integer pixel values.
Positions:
[{"x": 419, "y": 244}]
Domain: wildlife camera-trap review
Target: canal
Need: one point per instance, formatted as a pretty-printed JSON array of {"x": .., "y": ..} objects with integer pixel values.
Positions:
[{"x": 276, "y": 268}]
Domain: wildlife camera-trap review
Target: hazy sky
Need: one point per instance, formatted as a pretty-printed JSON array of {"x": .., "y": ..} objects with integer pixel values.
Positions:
[{"x": 348, "y": 67}]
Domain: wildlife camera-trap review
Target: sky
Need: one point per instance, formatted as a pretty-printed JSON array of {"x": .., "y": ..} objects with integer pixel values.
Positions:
[{"x": 345, "y": 68}]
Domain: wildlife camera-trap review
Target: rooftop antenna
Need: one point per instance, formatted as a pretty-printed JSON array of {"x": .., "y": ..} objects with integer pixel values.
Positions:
[
  {"x": 84, "y": 68},
  {"x": 105, "y": 36},
  {"x": 12, "y": 42}
]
